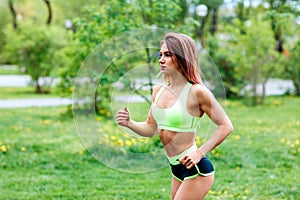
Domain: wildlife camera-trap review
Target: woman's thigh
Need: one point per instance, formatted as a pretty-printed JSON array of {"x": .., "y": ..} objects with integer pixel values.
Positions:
[
  {"x": 195, "y": 188},
  {"x": 175, "y": 185}
]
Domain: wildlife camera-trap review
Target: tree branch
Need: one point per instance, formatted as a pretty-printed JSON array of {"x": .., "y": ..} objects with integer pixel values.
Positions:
[
  {"x": 13, "y": 13},
  {"x": 49, "y": 12}
]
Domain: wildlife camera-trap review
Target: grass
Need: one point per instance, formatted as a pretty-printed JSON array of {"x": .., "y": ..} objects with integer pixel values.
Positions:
[
  {"x": 23, "y": 93},
  {"x": 42, "y": 157},
  {"x": 8, "y": 70}
]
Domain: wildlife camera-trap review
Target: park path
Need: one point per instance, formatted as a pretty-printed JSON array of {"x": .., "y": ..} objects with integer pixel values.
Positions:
[
  {"x": 24, "y": 80},
  {"x": 273, "y": 87}
]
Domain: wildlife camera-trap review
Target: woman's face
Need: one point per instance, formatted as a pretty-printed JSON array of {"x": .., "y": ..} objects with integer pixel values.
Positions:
[{"x": 167, "y": 60}]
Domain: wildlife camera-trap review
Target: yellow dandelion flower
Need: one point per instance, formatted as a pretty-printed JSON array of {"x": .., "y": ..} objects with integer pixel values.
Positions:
[
  {"x": 276, "y": 102},
  {"x": 140, "y": 139},
  {"x": 297, "y": 142},
  {"x": 3, "y": 148},
  {"x": 81, "y": 152},
  {"x": 113, "y": 137},
  {"x": 47, "y": 122},
  {"x": 15, "y": 128},
  {"x": 146, "y": 140},
  {"x": 246, "y": 191},
  {"x": 237, "y": 137},
  {"x": 133, "y": 141},
  {"x": 292, "y": 145},
  {"x": 108, "y": 114},
  {"x": 0, "y": 143},
  {"x": 282, "y": 140},
  {"x": 99, "y": 130},
  {"x": 128, "y": 143},
  {"x": 120, "y": 142},
  {"x": 23, "y": 148},
  {"x": 211, "y": 192},
  {"x": 198, "y": 141},
  {"x": 99, "y": 119},
  {"x": 102, "y": 111},
  {"x": 298, "y": 149}
]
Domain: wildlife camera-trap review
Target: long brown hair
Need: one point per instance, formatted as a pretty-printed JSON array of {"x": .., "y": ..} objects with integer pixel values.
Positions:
[{"x": 186, "y": 55}]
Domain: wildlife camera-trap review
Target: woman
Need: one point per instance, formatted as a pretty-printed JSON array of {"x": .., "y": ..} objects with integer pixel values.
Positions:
[{"x": 175, "y": 112}]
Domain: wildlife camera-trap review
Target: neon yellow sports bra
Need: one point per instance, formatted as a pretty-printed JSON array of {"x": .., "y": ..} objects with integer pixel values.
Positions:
[{"x": 175, "y": 118}]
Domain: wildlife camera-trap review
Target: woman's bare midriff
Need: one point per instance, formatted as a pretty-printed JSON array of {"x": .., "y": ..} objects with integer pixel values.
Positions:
[{"x": 176, "y": 142}]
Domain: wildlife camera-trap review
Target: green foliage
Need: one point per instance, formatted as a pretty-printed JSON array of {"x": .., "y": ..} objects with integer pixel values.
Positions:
[
  {"x": 293, "y": 67},
  {"x": 33, "y": 47},
  {"x": 98, "y": 24},
  {"x": 216, "y": 49},
  {"x": 4, "y": 20},
  {"x": 253, "y": 56}
]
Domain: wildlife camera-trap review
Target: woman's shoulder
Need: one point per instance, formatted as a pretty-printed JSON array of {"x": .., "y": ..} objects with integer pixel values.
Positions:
[
  {"x": 156, "y": 88},
  {"x": 200, "y": 90},
  {"x": 199, "y": 87}
]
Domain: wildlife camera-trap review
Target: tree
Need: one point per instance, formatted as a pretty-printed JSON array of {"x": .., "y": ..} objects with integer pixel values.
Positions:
[
  {"x": 254, "y": 56},
  {"x": 293, "y": 66},
  {"x": 211, "y": 16},
  {"x": 33, "y": 47},
  {"x": 101, "y": 23},
  {"x": 277, "y": 12}
]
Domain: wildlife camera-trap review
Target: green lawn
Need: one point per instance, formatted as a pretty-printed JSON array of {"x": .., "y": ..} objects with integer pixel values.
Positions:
[
  {"x": 24, "y": 93},
  {"x": 7, "y": 70},
  {"x": 42, "y": 157}
]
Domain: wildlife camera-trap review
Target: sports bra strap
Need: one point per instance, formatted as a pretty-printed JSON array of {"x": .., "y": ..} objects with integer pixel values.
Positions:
[
  {"x": 182, "y": 97},
  {"x": 160, "y": 91}
]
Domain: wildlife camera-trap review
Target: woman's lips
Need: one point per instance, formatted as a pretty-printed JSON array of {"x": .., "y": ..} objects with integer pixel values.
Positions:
[{"x": 162, "y": 68}]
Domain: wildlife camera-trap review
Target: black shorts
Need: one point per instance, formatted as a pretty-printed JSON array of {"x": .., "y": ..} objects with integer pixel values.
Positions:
[{"x": 203, "y": 168}]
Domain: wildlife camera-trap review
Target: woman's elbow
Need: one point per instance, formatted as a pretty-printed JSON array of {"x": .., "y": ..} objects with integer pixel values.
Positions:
[
  {"x": 229, "y": 128},
  {"x": 151, "y": 132}
]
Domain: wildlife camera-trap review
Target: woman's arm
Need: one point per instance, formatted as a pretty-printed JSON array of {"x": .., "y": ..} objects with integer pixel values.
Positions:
[
  {"x": 209, "y": 105},
  {"x": 146, "y": 129}
]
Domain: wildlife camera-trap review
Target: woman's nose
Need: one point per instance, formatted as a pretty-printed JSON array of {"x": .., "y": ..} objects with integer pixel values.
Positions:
[{"x": 161, "y": 60}]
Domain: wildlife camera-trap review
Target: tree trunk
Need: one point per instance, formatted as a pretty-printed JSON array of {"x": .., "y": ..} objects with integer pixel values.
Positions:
[
  {"x": 254, "y": 85},
  {"x": 297, "y": 87},
  {"x": 213, "y": 27},
  {"x": 38, "y": 88},
  {"x": 49, "y": 12},
  {"x": 13, "y": 13},
  {"x": 279, "y": 44}
]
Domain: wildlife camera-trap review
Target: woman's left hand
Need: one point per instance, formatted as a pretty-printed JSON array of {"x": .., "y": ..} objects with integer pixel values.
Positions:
[{"x": 191, "y": 159}]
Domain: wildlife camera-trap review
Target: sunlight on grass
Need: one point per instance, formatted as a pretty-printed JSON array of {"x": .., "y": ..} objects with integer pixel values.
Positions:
[{"x": 42, "y": 156}]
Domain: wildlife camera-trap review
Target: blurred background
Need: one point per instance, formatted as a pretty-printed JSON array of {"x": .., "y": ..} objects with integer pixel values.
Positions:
[{"x": 253, "y": 44}]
